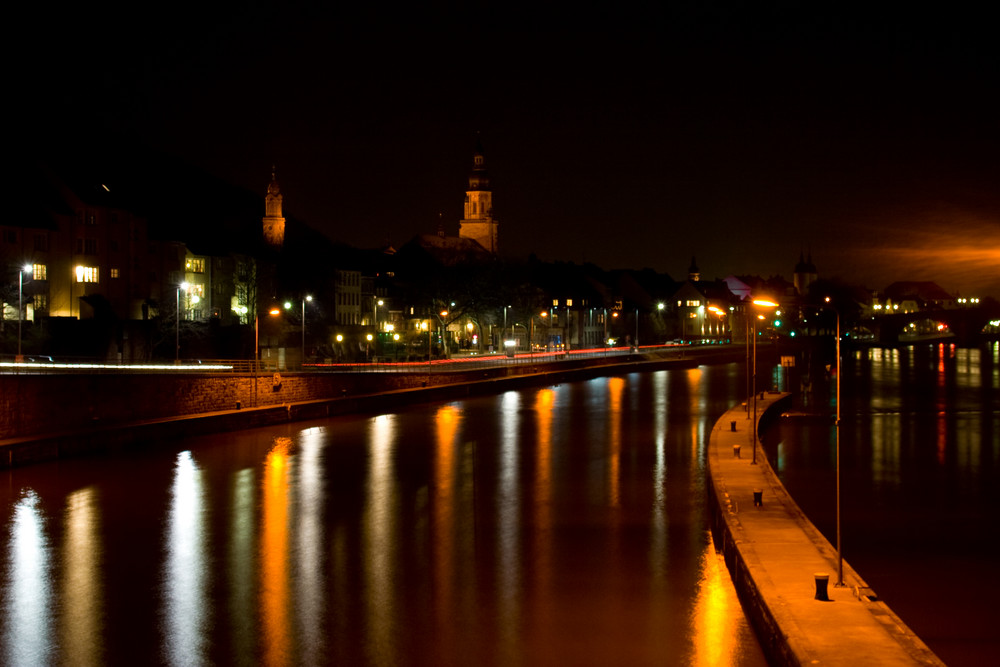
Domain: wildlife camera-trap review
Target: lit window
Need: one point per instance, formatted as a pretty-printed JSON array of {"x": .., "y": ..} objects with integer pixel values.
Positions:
[
  {"x": 196, "y": 265},
  {"x": 569, "y": 303},
  {"x": 692, "y": 303},
  {"x": 87, "y": 274},
  {"x": 114, "y": 273},
  {"x": 39, "y": 272}
]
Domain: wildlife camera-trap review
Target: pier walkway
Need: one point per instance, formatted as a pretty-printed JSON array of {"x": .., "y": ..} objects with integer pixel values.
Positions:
[{"x": 774, "y": 554}]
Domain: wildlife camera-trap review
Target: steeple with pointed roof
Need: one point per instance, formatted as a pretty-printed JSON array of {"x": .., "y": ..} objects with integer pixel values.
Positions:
[
  {"x": 274, "y": 223},
  {"x": 479, "y": 223}
]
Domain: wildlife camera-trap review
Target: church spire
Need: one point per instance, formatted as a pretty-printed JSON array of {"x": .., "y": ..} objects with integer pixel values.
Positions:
[
  {"x": 274, "y": 223},
  {"x": 478, "y": 223}
]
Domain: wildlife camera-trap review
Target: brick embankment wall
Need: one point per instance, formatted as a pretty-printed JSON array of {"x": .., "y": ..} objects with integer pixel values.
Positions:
[{"x": 45, "y": 416}]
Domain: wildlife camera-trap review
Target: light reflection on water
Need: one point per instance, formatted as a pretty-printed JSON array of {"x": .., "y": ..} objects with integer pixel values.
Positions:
[
  {"x": 556, "y": 525},
  {"x": 27, "y": 628},
  {"x": 81, "y": 577},
  {"x": 185, "y": 571}
]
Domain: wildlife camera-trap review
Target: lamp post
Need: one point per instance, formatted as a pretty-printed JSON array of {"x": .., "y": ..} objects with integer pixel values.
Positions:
[
  {"x": 177, "y": 323},
  {"x": 753, "y": 425},
  {"x": 20, "y": 304},
  {"x": 307, "y": 298},
  {"x": 605, "y": 340},
  {"x": 635, "y": 342},
  {"x": 836, "y": 427},
  {"x": 444, "y": 332}
]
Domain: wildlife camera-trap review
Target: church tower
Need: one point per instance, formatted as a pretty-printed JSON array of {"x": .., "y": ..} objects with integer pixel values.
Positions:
[
  {"x": 694, "y": 275},
  {"x": 479, "y": 223},
  {"x": 805, "y": 274},
  {"x": 274, "y": 223}
]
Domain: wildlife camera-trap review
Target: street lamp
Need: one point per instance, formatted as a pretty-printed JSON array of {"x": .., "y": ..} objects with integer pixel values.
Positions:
[
  {"x": 836, "y": 427},
  {"x": 444, "y": 331},
  {"x": 177, "y": 322},
  {"x": 288, "y": 305},
  {"x": 20, "y": 304},
  {"x": 764, "y": 303}
]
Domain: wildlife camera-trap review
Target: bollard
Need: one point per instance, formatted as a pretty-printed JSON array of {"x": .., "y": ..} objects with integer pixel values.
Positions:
[
  {"x": 732, "y": 426},
  {"x": 736, "y": 451},
  {"x": 758, "y": 497},
  {"x": 822, "y": 581}
]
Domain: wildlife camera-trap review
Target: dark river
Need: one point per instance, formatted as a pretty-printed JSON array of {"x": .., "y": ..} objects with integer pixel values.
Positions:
[
  {"x": 920, "y": 486},
  {"x": 562, "y": 525}
]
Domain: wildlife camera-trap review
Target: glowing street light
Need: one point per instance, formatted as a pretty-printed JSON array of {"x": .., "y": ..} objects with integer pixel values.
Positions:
[
  {"x": 288, "y": 306},
  {"x": 763, "y": 303}
]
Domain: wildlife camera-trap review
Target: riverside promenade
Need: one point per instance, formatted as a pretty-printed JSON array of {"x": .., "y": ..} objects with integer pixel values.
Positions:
[{"x": 774, "y": 554}]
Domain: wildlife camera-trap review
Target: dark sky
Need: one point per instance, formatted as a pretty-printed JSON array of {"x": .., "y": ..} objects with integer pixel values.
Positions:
[{"x": 739, "y": 134}]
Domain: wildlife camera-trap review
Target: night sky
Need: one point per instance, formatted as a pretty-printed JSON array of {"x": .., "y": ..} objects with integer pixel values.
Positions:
[{"x": 742, "y": 136}]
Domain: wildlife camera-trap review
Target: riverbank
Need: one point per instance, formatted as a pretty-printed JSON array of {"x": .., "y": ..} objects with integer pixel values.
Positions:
[
  {"x": 120, "y": 411},
  {"x": 784, "y": 570}
]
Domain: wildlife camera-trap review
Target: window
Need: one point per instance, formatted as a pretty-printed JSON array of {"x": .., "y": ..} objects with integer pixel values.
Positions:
[
  {"x": 569, "y": 303},
  {"x": 86, "y": 246},
  {"x": 692, "y": 303},
  {"x": 87, "y": 274},
  {"x": 114, "y": 273},
  {"x": 195, "y": 265},
  {"x": 41, "y": 242},
  {"x": 10, "y": 235},
  {"x": 40, "y": 302},
  {"x": 39, "y": 272}
]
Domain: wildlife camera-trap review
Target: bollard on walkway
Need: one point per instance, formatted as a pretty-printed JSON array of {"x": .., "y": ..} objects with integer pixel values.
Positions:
[{"x": 822, "y": 582}]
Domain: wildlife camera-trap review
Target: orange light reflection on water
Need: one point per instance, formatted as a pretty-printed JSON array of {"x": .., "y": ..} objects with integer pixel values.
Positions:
[
  {"x": 443, "y": 512},
  {"x": 274, "y": 554},
  {"x": 715, "y": 621}
]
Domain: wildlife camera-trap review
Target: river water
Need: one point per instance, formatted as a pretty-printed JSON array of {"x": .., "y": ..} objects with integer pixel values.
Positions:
[
  {"x": 548, "y": 526},
  {"x": 920, "y": 485}
]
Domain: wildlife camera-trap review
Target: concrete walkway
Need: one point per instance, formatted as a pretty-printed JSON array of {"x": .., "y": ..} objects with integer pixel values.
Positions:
[{"x": 774, "y": 553}]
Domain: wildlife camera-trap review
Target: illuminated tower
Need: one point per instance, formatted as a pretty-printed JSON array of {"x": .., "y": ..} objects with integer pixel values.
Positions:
[
  {"x": 479, "y": 223},
  {"x": 274, "y": 223}
]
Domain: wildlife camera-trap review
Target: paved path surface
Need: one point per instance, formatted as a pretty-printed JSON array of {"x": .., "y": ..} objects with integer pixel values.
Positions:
[{"x": 783, "y": 552}]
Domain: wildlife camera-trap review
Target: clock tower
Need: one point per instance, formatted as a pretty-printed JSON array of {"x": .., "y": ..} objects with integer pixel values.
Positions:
[
  {"x": 274, "y": 223},
  {"x": 479, "y": 223}
]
